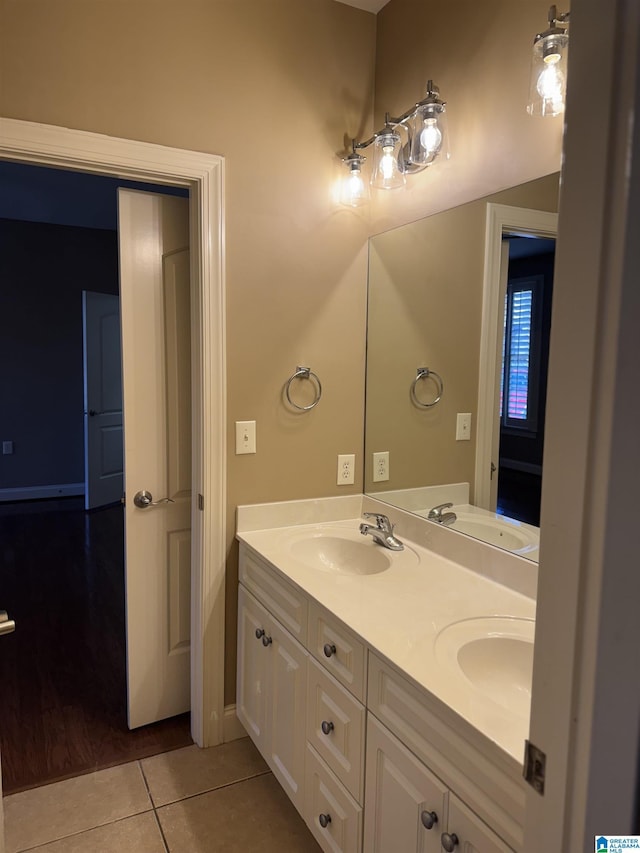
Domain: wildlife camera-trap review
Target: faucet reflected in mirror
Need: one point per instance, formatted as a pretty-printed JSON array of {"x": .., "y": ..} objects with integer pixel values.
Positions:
[{"x": 425, "y": 306}]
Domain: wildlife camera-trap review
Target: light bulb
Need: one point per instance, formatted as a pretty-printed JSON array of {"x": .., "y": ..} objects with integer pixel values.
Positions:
[
  {"x": 551, "y": 83},
  {"x": 387, "y": 162},
  {"x": 431, "y": 137},
  {"x": 354, "y": 192}
]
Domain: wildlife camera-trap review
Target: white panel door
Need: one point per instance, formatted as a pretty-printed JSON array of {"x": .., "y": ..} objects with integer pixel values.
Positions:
[
  {"x": 102, "y": 368},
  {"x": 156, "y": 356}
]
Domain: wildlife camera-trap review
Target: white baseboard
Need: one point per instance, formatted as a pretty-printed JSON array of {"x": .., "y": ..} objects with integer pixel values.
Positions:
[
  {"x": 232, "y": 728},
  {"x": 27, "y": 493}
]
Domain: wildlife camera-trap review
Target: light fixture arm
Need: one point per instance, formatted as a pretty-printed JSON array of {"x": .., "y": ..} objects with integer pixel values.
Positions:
[{"x": 558, "y": 24}]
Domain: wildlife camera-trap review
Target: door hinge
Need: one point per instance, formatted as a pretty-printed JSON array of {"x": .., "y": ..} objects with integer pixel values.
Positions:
[
  {"x": 201, "y": 502},
  {"x": 123, "y": 499},
  {"x": 535, "y": 762},
  {"x": 493, "y": 470}
]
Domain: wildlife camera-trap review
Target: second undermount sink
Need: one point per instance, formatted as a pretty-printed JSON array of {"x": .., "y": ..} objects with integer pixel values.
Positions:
[{"x": 495, "y": 654}]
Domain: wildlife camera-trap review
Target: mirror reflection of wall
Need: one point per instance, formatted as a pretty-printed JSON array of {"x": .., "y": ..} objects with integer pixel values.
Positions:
[{"x": 425, "y": 310}]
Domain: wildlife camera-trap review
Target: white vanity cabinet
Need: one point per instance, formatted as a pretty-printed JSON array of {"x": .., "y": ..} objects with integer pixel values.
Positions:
[
  {"x": 271, "y": 694},
  {"x": 408, "y": 808},
  {"x": 371, "y": 760}
]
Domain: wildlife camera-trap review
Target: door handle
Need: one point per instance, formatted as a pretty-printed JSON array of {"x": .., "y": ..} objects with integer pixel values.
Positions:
[
  {"x": 7, "y": 626},
  {"x": 145, "y": 499}
]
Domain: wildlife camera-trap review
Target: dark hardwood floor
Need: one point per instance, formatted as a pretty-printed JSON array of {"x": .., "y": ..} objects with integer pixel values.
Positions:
[{"x": 62, "y": 673}]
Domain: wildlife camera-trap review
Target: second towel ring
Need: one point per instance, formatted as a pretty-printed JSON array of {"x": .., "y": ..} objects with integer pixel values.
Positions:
[
  {"x": 303, "y": 373},
  {"x": 425, "y": 373}
]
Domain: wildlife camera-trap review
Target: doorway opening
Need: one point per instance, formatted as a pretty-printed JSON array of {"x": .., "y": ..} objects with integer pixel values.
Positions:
[
  {"x": 64, "y": 670},
  {"x": 523, "y": 375},
  {"x": 203, "y": 175}
]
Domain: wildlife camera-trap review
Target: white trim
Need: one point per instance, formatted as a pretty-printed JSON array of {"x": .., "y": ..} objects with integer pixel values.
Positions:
[
  {"x": 233, "y": 728},
  {"x": 32, "y": 493},
  {"x": 585, "y": 702},
  {"x": 501, "y": 219},
  {"x": 203, "y": 174}
]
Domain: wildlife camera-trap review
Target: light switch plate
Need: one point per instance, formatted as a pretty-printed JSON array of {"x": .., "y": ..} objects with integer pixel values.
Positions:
[
  {"x": 463, "y": 426},
  {"x": 245, "y": 437}
]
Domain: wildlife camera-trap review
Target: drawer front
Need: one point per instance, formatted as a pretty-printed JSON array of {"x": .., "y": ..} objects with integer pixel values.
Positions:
[
  {"x": 493, "y": 787},
  {"x": 331, "y": 813},
  {"x": 281, "y": 598},
  {"x": 338, "y": 649},
  {"x": 335, "y": 728}
]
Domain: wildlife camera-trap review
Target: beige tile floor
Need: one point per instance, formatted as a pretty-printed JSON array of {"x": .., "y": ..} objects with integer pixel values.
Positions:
[{"x": 218, "y": 800}]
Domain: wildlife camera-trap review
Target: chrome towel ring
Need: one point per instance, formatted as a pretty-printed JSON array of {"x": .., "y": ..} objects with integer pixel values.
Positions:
[
  {"x": 425, "y": 373},
  {"x": 303, "y": 373}
]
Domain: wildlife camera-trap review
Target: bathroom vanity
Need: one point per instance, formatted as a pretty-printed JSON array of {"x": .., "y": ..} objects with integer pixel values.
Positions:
[{"x": 386, "y": 690}]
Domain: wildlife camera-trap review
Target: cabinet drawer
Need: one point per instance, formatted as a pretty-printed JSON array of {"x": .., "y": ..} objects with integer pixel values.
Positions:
[
  {"x": 281, "y": 598},
  {"x": 327, "y": 800},
  {"x": 338, "y": 649},
  {"x": 335, "y": 727},
  {"x": 490, "y": 783}
]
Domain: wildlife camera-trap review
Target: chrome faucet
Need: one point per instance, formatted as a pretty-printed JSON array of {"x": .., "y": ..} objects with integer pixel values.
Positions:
[
  {"x": 383, "y": 531},
  {"x": 438, "y": 515}
]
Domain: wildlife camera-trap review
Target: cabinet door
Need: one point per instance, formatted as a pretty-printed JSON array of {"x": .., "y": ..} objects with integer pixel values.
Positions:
[
  {"x": 287, "y": 712},
  {"x": 254, "y": 668},
  {"x": 405, "y": 804},
  {"x": 472, "y": 834}
]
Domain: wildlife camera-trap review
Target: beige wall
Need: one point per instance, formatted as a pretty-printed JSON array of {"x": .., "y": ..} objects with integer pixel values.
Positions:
[
  {"x": 275, "y": 86},
  {"x": 425, "y": 310}
]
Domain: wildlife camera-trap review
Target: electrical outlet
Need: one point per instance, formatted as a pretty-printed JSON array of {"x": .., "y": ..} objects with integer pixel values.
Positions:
[
  {"x": 346, "y": 468},
  {"x": 463, "y": 426},
  {"x": 7, "y": 448},
  {"x": 381, "y": 466},
  {"x": 245, "y": 437}
]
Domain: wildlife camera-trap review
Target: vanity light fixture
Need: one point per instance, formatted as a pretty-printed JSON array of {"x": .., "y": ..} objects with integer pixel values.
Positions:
[
  {"x": 405, "y": 145},
  {"x": 549, "y": 67}
]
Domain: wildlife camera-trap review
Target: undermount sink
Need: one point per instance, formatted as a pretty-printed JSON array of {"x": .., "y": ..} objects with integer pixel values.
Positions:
[
  {"x": 341, "y": 554},
  {"x": 494, "y": 654},
  {"x": 342, "y": 551}
]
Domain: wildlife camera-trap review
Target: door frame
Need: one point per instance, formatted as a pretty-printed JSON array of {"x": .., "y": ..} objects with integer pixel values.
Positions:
[
  {"x": 203, "y": 174},
  {"x": 502, "y": 219}
]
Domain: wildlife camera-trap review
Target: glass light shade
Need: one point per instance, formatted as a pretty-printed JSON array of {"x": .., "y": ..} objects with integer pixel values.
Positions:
[
  {"x": 354, "y": 190},
  {"x": 428, "y": 134},
  {"x": 386, "y": 170},
  {"x": 548, "y": 74}
]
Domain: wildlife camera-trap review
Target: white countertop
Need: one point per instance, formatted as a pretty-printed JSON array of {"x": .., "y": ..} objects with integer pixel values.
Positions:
[{"x": 400, "y": 612}]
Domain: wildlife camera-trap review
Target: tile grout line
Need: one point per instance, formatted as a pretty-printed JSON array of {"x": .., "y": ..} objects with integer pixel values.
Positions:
[
  {"x": 154, "y": 808},
  {"x": 216, "y": 788},
  {"x": 83, "y": 831}
]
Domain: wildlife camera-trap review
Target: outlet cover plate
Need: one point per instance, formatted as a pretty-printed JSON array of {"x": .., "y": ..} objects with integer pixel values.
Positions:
[{"x": 346, "y": 469}]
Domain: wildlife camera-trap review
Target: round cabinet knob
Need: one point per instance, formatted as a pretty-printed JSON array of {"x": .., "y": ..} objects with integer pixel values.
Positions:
[
  {"x": 325, "y": 820},
  {"x": 327, "y": 727},
  {"x": 329, "y": 649},
  {"x": 266, "y": 640},
  {"x": 259, "y": 633},
  {"x": 429, "y": 819},
  {"x": 449, "y": 841}
]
